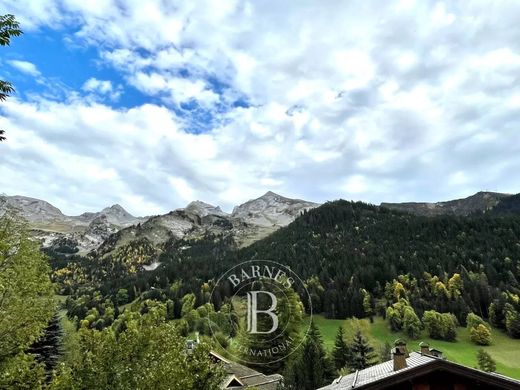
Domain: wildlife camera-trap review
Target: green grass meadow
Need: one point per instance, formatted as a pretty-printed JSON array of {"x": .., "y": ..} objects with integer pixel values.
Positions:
[{"x": 504, "y": 350}]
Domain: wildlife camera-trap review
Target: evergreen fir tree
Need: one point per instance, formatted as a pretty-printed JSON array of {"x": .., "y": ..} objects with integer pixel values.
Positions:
[
  {"x": 363, "y": 355},
  {"x": 311, "y": 368},
  {"x": 48, "y": 348},
  {"x": 341, "y": 352},
  {"x": 385, "y": 353},
  {"x": 485, "y": 361}
]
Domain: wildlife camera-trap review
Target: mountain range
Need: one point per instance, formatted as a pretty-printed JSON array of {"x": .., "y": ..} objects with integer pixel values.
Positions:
[
  {"x": 247, "y": 223},
  {"x": 43, "y": 215},
  {"x": 255, "y": 219}
]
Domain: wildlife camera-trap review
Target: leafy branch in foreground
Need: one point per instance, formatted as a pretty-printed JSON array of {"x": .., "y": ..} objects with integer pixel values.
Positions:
[{"x": 9, "y": 27}]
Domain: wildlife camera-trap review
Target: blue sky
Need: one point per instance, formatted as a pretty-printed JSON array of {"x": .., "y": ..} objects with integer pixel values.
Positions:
[
  {"x": 154, "y": 104},
  {"x": 65, "y": 66}
]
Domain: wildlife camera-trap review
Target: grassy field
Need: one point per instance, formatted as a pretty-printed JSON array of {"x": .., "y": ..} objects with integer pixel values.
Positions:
[{"x": 504, "y": 350}]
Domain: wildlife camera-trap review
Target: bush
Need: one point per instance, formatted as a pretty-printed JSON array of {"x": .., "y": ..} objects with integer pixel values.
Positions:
[
  {"x": 480, "y": 335},
  {"x": 222, "y": 339},
  {"x": 440, "y": 326},
  {"x": 479, "y": 330},
  {"x": 401, "y": 316},
  {"x": 473, "y": 320}
]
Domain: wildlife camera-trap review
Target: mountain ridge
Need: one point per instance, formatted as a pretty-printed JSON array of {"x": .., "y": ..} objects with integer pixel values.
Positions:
[
  {"x": 113, "y": 226},
  {"x": 247, "y": 223},
  {"x": 40, "y": 211},
  {"x": 480, "y": 202},
  {"x": 85, "y": 232}
]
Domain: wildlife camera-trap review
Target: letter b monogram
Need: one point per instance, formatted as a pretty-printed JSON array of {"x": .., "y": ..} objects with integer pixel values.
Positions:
[{"x": 252, "y": 312}]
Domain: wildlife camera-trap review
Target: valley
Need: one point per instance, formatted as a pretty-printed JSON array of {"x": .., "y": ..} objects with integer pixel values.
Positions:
[{"x": 429, "y": 276}]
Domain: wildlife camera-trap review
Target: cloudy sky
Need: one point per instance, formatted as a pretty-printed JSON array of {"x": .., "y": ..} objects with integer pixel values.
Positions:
[{"x": 152, "y": 104}]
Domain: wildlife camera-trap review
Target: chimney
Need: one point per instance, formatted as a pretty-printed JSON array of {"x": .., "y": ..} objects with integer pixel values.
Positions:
[
  {"x": 425, "y": 348},
  {"x": 399, "y": 354},
  {"x": 437, "y": 353}
]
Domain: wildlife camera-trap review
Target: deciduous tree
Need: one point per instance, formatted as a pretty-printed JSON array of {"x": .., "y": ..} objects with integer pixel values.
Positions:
[
  {"x": 26, "y": 295},
  {"x": 480, "y": 335},
  {"x": 148, "y": 354}
]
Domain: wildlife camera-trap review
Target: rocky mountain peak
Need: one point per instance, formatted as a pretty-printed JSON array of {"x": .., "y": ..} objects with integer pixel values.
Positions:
[
  {"x": 271, "y": 209},
  {"x": 270, "y": 194},
  {"x": 117, "y": 211},
  {"x": 203, "y": 209},
  {"x": 34, "y": 210},
  {"x": 115, "y": 207},
  {"x": 117, "y": 215}
]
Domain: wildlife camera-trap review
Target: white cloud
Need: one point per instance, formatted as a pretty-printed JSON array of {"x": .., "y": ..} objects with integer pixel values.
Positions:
[
  {"x": 178, "y": 89},
  {"x": 368, "y": 99},
  {"x": 95, "y": 85},
  {"x": 102, "y": 87},
  {"x": 25, "y": 67},
  {"x": 33, "y": 14}
]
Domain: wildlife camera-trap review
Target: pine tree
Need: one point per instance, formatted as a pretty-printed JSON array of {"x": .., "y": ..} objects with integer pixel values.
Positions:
[
  {"x": 311, "y": 368},
  {"x": 367, "y": 305},
  {"x": 385, "y": 353},
  {"x": 341, "y": 352},
  {"x": 485, "y": 361},
  {"x": 363, "y": 355},
  {"x": 48, "y": 348}
]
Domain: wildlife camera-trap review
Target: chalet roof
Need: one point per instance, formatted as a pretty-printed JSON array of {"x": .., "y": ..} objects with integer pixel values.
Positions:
[
  {"x": 417, "y": 364},
  {"x": 243, "y": 377},
  {"x": 379, "y": 371}
]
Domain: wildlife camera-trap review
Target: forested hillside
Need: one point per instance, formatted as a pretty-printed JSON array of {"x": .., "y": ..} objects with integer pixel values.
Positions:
[
  {"x": 423, "y": 275},
  {"x": 349, "y": 254},
  {"x": 350, "y": 246}
]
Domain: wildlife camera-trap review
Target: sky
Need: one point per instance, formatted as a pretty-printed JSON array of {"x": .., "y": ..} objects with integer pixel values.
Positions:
[{"x": 152, "y": 104}]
